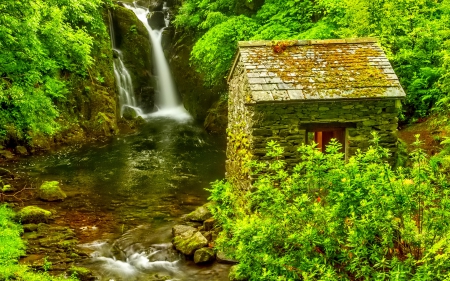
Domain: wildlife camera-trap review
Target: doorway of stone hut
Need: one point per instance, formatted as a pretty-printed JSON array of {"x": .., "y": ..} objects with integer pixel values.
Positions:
[{"x": 323, "y": 136}]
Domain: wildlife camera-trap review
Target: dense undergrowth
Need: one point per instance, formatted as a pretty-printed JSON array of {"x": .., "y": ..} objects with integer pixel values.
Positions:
[
  {"x": 46, "y": 47},
  {"x": 414, "y": 34},
  {"x": 12, "y": 248},
  {"x": 331, "y": 219}
]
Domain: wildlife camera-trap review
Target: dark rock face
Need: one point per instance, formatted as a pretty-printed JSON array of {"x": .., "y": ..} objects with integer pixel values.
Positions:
[
  {"x": 129, "y": 113},
  {"x": 156, "y": 20},
  {"x": 197, "y": 94},
  {"x": 132, "y": 39},
  {"x": 156, "y": 5}
]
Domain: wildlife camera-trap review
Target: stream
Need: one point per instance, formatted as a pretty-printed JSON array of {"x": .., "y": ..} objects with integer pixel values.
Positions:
[{"x": 124, "y": 195}]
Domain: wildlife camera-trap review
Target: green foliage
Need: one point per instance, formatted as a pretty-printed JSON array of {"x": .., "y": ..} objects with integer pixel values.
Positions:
[
  {"x": 12, "y": 248},
  {"x": 42, "y": 43},
  {"x": 220, "y": 41},
  {"x": 331, "y": 219}
]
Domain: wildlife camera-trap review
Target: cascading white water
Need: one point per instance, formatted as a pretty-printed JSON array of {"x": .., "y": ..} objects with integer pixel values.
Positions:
[
  {"x": 123, "y": 78},
  {"x": 168, "y": 103}
]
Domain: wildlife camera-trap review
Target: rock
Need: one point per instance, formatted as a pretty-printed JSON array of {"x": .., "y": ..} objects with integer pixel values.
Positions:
[
  {"x": 156, "y": 5},
  {"x": 222, "y": 258},
  {"x": 116, "y": 54},
  {"x": 180, "y": 229},
  {"x": 4, "y": 173},
  {"x": 209, "y": 224},
  {"x": 207, "y": 235},
  {"x": 129, "y": 113},
  {"x": 50, "y": 191},
  {"x": 33, "y": 214},
  {"x": 82, "y": 273},
  {"x": 6, "y": 154},
  {"x": 189, "y": 241},
  {"x": 156, "y": 20},
  {"x": 21, "y": 150},
  {"x": 204, "y": 255},
  {"x": 29, "y": 227},
  {"x": 200, "y": 214}
]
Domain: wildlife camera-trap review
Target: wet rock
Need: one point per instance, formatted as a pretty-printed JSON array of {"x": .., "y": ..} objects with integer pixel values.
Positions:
[
  {"x": 207, "y": 235},
  {"x": 21, "y": 150},
  {"x": 50, "y": 191},
  {"x": 170, "y": 3},
  {"x": 156, "y": 20},
  {"x": 6, "y": 174},
  {"x": 82, "y": 273},
  {"x": 116, "y": 54},
  {"x": 223, "y": 258},
  {"x": 209, "y": 224},
  {"x": 204, "y": 255},
  {"x": 6, "y": 154},
  {"x": 33, "y": 214},
  {"x": 189, "y": 241},
  {"x": 200, "y": 214},
  {"x": 156, "y": 6},
  {"x": 129, "y": 113},
  {"x": 180, "y": 229},
  {"x": 166, "y": 38},
  {"x": 29, "y": 227}
]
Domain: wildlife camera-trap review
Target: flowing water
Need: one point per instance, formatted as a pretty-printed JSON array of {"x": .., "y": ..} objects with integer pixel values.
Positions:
[{"x": 126, "y": 194}]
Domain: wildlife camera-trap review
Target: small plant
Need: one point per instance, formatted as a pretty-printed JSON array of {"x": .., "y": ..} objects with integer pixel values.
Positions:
[{"x": 47, "y": 264}]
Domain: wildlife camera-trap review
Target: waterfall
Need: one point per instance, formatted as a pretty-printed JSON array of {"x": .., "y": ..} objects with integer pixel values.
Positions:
[
  {"x": 123, "y": 78},
  {"x": 168, "y": 103}
]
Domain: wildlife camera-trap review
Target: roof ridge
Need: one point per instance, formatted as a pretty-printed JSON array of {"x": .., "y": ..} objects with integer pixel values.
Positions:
[{"x": 307, "y": 42}]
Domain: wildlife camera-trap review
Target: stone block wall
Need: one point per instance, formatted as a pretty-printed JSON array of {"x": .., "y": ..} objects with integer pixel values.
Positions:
[{"x": 289, "y": 123}]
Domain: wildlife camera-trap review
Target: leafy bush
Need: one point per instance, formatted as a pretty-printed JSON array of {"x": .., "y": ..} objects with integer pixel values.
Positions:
[
  {"x": 42, "y": 42},
  {"x": 331, "y": 219}
]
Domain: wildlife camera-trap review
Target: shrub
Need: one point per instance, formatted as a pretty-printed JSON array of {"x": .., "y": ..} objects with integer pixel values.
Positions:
[{"x": 331, "y": 219}]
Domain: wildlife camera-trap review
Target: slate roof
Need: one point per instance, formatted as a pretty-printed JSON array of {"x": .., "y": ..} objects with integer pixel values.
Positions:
[{"x": 317, "y": 70}]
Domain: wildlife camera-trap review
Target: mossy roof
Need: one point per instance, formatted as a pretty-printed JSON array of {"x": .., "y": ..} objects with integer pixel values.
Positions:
[{"x": 317, "y": 70}]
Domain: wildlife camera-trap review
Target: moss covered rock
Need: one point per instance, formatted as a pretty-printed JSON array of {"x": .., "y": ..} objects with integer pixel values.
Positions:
[
  {"x": 189, "y": 241},
  {"x": 81, "y": 273},
  {"x": 33, "y": 214},
  {"x": 204, "y": 255},
  {"x": 50, "y": 191},
  {"x": 200, "y": 214}
]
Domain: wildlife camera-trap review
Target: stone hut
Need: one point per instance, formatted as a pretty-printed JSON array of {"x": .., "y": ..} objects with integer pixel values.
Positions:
[{"x": 295, "y": 92}]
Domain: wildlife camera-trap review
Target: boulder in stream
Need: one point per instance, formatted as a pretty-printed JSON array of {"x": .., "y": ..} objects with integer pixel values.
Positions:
[
  {"x": 50, "y": 191},
  {"x": 179, "y": 229},
  {"x": 200, "y": 214},
  {"x": 204, "y": 255},
  {"x": 156, "y": 20},
  {"x": 33, "y": 214},
  {"x": 129, "y": 113},
  {"x": 189, "y": 241}
]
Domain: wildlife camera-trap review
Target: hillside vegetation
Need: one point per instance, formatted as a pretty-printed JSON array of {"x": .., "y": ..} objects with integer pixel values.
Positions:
[{"x": 47, "y": 49}]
